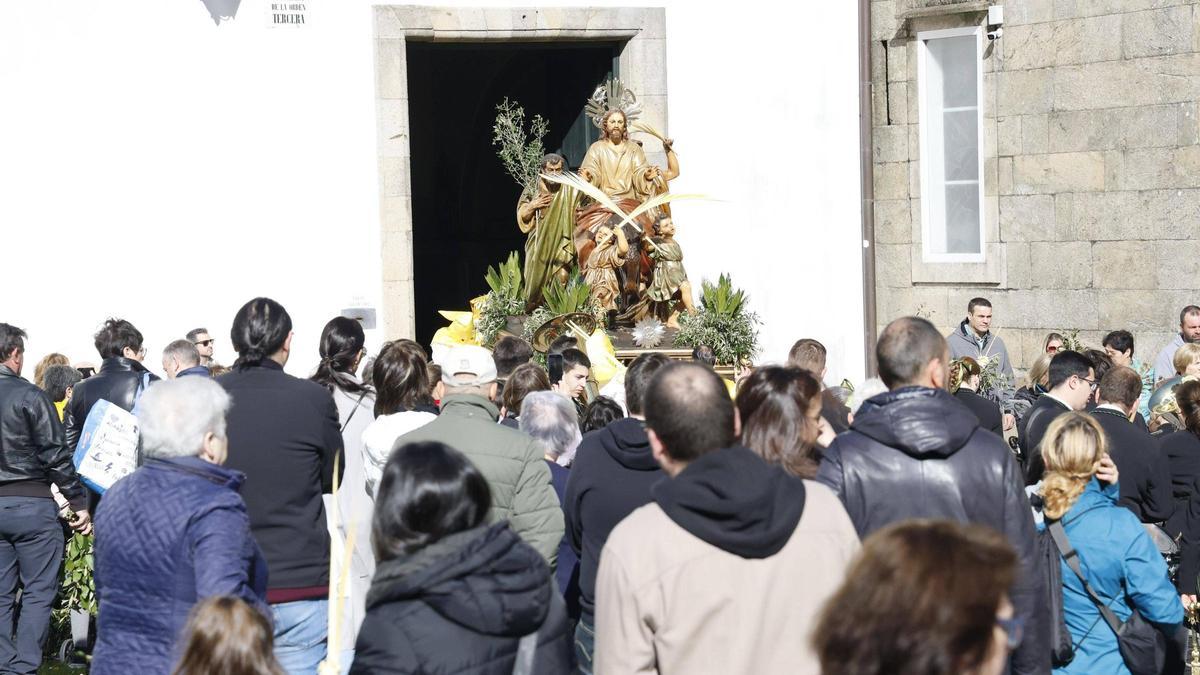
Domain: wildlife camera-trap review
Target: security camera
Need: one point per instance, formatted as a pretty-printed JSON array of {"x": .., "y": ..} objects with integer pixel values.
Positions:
[{"x": 995, "y": 22}]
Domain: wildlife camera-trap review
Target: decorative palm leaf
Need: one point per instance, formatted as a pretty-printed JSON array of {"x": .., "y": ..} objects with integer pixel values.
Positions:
[
  {"x": 647, "y": 129},
  {"x": 506, "y": 282},
  {"x": 576, "y": 181},
  {"x": 722, "y": 299},
  {"x": 574, "y": 296}
]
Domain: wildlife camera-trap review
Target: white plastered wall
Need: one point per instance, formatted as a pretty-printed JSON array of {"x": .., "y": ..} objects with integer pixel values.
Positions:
[{"x": 161, "y": 168}]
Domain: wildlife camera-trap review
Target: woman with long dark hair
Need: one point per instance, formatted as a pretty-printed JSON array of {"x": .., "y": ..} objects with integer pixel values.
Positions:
[
  {"x": 402, "y": 402},
  {"x": 780, "y": 410},
  {"x": 342, "y": 347},
  {"x": 452, "y": 594},
  {"x": 284, "y": 434}
]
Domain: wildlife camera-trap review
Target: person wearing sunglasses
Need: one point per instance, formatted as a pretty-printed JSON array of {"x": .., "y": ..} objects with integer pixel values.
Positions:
[
  {"x": 1072, "y": 384},
  {"x": 204, "y": 345}
]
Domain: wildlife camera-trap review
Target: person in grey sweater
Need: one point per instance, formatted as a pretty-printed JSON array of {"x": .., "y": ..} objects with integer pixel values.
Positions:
[{"x": 974, "y": 338}]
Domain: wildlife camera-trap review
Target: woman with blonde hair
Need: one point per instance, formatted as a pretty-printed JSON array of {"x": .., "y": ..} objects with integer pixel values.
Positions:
[
  {"x": 1117, "y": 558},
  {"x": 51, "y": 359},
  {"x": 1037, "y": 384},
  {"x": 1187, "y": 360}
]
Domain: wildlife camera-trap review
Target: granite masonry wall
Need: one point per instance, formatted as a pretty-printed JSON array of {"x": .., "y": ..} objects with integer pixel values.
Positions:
[{"x": 1091, "y": 169}]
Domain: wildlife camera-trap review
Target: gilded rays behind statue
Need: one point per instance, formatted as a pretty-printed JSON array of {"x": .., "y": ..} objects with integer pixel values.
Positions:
[{"x": 612, "y": 219}]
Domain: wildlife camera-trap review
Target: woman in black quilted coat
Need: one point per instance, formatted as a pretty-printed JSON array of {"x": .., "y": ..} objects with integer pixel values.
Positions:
[{"x": 452, "y": 594}]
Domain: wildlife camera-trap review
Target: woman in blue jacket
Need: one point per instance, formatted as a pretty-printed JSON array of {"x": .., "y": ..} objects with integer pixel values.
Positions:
[
  {"x": 1117, "y": 557},
  {"x": 172, "y": 533}
]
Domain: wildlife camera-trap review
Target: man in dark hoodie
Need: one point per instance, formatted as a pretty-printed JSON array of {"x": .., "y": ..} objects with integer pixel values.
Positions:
[
  {"x": 916, "y": 452},
  {"x": 727, "y": 569},
  {"x": 611, "y": 476}
]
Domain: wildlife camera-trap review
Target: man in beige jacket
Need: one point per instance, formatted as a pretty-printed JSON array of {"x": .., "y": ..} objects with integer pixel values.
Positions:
[{"x": 726, "y": 570}]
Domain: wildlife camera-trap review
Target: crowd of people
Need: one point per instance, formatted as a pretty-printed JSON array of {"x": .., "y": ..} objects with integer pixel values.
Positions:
[{"x": 480, "y": 512}]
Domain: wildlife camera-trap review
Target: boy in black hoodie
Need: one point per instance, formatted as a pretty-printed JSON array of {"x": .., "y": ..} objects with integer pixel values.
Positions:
[{"x": 611, "y": 476}]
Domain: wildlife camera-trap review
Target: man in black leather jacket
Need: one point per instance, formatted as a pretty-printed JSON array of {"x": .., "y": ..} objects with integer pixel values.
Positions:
[
  {"x": 33, "y": 455},
  {"x": 916, "y": 452},
  {"x": 121, "y": 378}
]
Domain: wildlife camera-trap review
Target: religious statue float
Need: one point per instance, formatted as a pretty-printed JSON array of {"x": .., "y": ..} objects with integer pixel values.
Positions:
[{"x": 601, "y": 254}]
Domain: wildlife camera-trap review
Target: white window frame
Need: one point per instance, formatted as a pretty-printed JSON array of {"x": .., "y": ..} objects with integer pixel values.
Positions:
[{"x": 927, "y": 224}]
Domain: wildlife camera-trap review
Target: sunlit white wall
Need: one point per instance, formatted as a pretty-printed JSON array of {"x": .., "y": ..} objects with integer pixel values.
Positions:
[{"x": 161, "y": 168}]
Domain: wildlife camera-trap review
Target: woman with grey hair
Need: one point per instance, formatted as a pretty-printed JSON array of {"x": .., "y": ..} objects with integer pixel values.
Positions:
[
  {"x": 551, "y": 420},
  {"x": 173, "y": 532}
]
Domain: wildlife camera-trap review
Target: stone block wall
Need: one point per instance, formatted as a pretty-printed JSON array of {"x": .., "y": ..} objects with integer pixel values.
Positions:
[{"x": 1091, "y": 170}]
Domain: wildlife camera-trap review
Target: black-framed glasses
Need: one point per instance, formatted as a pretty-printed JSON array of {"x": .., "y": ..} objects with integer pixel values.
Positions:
[
  {"x": 1092, "y": 384},
  {"x": 204, "y": 343},
  {"x": 1014, "y": 630}
]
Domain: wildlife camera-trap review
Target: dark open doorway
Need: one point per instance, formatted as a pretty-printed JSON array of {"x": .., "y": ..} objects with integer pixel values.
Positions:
[{"x": 463, "y": 203}]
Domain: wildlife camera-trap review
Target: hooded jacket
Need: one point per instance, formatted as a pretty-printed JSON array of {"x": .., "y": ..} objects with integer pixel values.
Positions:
[
  {"x": 725, "y": 572},
  {"x": 462, "y": 605},
  {"x": 917, "y": 452},
  {"x": 611, "y": 477}
]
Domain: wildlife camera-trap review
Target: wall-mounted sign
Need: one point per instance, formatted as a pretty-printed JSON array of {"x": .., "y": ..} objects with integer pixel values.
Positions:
[{"x": 293, "y": 14}]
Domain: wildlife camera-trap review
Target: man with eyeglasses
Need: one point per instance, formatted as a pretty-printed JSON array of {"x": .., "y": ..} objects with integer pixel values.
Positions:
[
  {"x": 1072, "y": 385},
  {"x": 204, "y": 345}
]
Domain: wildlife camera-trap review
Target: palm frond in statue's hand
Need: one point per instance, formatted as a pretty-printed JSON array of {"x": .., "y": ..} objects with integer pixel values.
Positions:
[{"x": 576, "y": 181}]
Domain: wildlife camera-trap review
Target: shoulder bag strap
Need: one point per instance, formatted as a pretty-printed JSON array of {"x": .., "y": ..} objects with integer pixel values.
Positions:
[
  {"x": 1072, "y": 560},
  {"x": 526, "y": 650},
  {"x": 351, "y": 415}
]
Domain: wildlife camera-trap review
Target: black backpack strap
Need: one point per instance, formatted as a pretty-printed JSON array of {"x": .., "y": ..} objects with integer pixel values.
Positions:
[
  {"x": 351, "y": 415},
  {"x": 1072, "y": 559}
]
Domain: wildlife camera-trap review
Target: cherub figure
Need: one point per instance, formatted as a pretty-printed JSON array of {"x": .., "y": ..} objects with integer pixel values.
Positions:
[
  {"x": 669, "y": 286},
  {"x": 600, "y": 270}
]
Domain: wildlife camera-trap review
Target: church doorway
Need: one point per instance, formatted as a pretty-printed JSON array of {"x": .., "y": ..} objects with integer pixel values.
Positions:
[{"x": 463, "y": 202}]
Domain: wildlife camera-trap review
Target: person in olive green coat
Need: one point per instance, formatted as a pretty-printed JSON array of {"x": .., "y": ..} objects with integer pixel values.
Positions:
[{"x": 510, "y": 460}]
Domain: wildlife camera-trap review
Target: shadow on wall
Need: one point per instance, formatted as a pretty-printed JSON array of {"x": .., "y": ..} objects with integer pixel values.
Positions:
[{"x": 221, "y": 9}]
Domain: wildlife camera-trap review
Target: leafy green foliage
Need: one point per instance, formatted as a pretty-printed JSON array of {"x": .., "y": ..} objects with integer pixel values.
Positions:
[
  {"x": 78, "y": 590},
  {"x": 1071, "y": 340},
  {"x": 519, "y": 151},
  {"x": 722, "y": 323},
  {"x": 506, "y": 282},
  {"x": 722, "y": 299},
  {"x": 574, "y": 296},
  {"x": 504, "y": 300}
]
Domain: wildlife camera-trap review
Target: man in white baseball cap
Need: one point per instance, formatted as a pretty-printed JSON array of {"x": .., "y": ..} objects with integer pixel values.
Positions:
[
  {"x": 468, "y": 366},
  {"x": 511, "y": 461}
]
